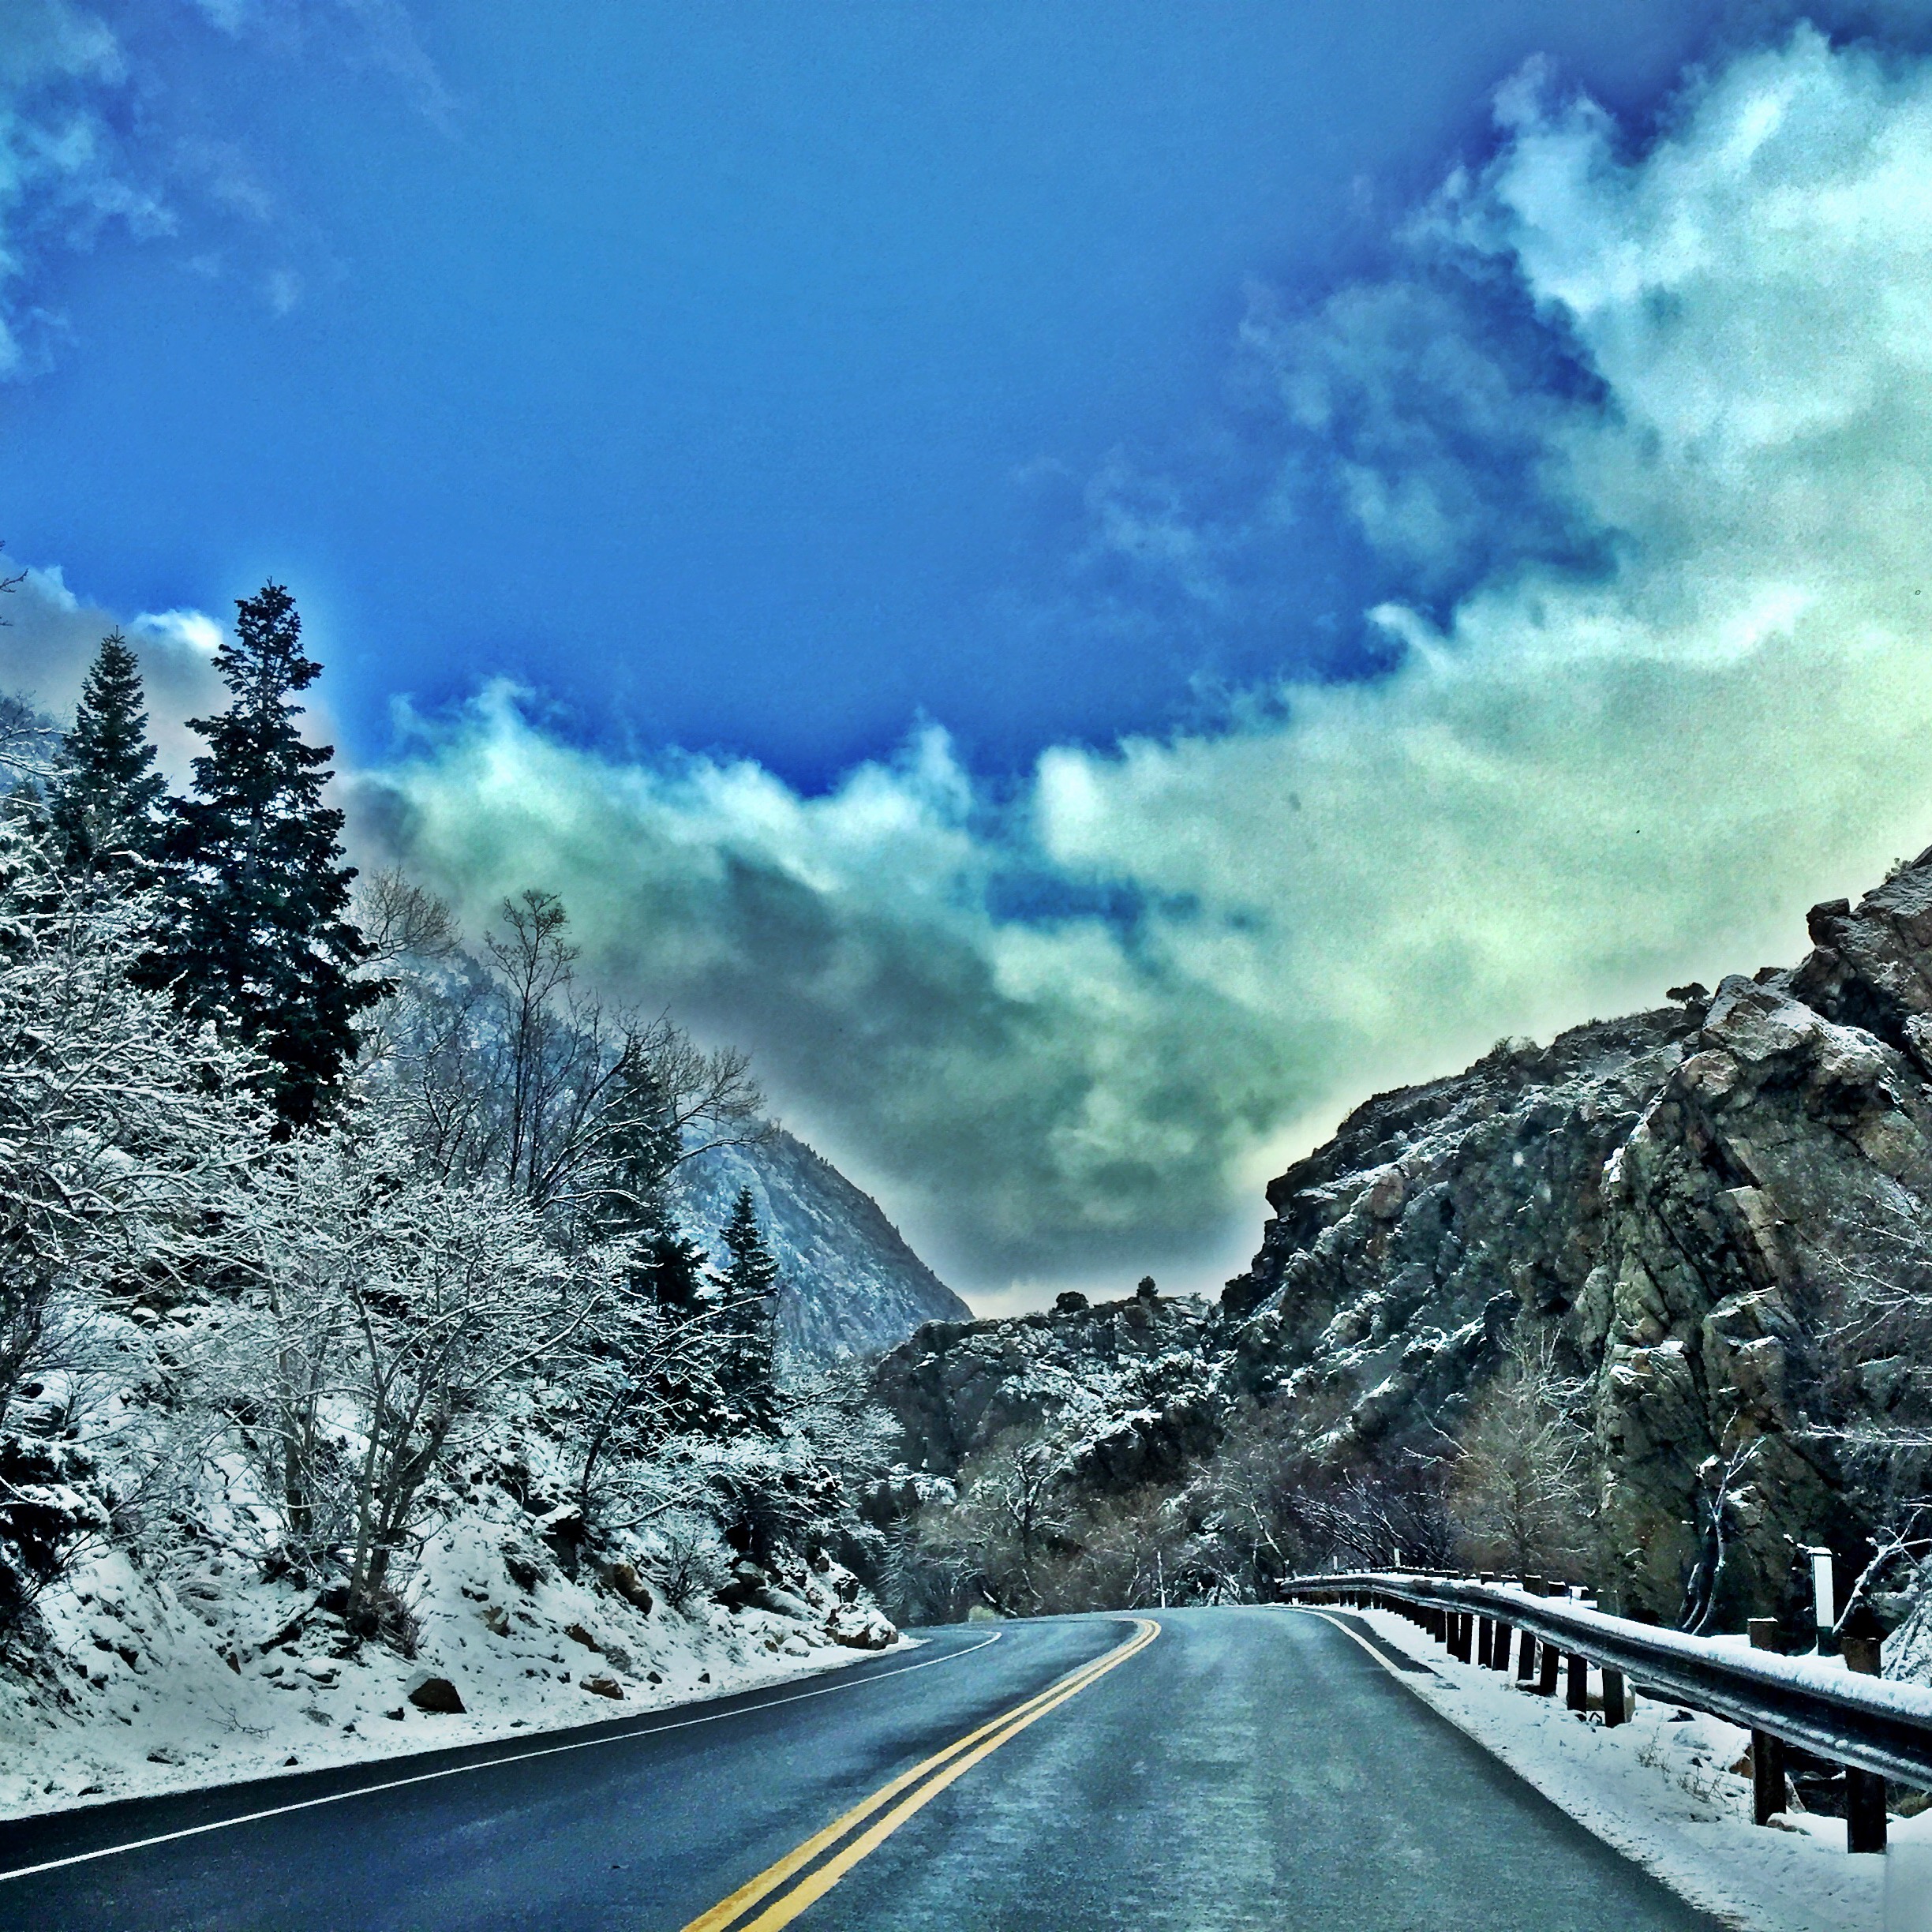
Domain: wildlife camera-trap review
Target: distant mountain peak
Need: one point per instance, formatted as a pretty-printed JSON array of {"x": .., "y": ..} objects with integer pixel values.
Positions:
[{"x": 849, "y": 1283}]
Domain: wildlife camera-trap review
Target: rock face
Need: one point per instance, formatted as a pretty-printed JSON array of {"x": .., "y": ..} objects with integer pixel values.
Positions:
[
  {"x": 1142, "y": 1369},
  {"x": 848, "y": 1284},
  {"x": 1682, "y": 1199},
  {"x": 1685, "y": 1205},
  {"x": 1401, "y": 1251}
]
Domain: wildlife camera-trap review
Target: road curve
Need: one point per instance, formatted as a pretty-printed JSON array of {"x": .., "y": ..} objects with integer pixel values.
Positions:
[{"x": 1244, "y": 1767}]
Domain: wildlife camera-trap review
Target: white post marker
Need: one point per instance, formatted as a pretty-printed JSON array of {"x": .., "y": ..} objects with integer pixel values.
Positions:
[
  {"x": 1908, "y": 1886},
  {"x": 1827, "y": 1610}
]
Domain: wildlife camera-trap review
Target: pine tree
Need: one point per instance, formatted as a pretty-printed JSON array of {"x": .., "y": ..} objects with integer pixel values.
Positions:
[
  {"x": 748, "y": 1371},
  {"x": 641, "y": 1148},
  {"x": 255, "y": 935},
  {"x": 104, "y": 789},
  {"x": 670, "y": 1269}
]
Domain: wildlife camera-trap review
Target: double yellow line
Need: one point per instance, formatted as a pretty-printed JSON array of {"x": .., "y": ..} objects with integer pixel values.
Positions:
[{"x": 912, "y": 1789}]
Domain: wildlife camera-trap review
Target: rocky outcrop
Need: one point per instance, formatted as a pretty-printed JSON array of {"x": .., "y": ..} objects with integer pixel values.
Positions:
[
  {"x": 1681, "y": 1198},
  {"x": 1685, "y": 1205},
  {"x": 1401, "y": 1251},
  {"x": 1137, "y": 1374}
]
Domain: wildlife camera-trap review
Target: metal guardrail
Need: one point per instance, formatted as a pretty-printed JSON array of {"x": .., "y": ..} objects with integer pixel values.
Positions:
[{"x": 1867, "y": 1724}]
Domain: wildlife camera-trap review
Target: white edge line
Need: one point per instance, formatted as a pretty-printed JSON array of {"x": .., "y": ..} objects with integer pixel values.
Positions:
[
  {"x": 486, "y": 1764},
  {"x": 1394, "y": 1670}
]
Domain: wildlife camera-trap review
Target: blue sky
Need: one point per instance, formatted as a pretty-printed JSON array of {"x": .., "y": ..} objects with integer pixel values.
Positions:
[
  {"x": 735, "y": 374},
  {"x": 1091, "y": 596}
]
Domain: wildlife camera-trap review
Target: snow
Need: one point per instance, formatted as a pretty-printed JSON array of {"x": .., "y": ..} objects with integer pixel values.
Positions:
[
  {"x": 139, "y": 1698},
  {"x": 1663, "y": 1789}
]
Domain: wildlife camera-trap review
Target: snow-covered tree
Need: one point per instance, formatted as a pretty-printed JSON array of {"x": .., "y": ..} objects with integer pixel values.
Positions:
[
  {"x": 389, "y": 1303},
  {"x": 748, "y": 1368},
  {"x": 255, "y": 934},
  {"x": 124, "y": 1131},
  {"x": 104, "y": 793}
]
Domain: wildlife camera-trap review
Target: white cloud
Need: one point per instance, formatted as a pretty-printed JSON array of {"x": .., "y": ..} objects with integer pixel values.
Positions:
[
  {"x": 191, "y": 632},
  {"x": 1070, "y": 1029},
  {"x": 62, "y": 173},
  {"x": 91, "y": 141}
]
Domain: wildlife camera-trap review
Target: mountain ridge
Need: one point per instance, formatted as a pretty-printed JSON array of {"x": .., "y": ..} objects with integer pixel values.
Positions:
[
  {"x": 849, "y": 1282},
  {"x": 1691, "y": 1245}
]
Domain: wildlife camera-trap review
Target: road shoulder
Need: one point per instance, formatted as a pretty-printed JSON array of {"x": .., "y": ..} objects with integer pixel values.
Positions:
[{"x": 1659, "y": 1790}]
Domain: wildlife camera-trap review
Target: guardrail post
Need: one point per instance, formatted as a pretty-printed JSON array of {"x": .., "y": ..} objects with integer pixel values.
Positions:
[
  {"x": 1526, "y": 1652},
  {"x": 1485, "y": 1635},
  {"x": 1577, "y": 1696},
  {"x": 1865, "y": 1791},
  {"x": 1616, "y": 1698},
  {"x": 1549, "y": 1657},
  {"x": 1499, "y": 1649},
  {"x": 1767, "y": 1751}
]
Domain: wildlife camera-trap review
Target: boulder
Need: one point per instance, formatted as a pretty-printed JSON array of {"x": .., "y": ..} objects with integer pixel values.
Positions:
[
  {"x": 565, "y": 1531},
  {"x": 623, "y": 1578},
  {"x": 437, "y": 1695},
  {"x": 601, "y": 1686},
  {"x": 860, "y": 1628}
]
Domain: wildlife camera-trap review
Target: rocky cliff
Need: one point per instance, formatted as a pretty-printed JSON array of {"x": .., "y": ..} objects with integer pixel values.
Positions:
[
  {"x": 1713, "y": 1217},
  {"x": 1139, "y": 1374},
  {"x": 848, "y": 1283}
]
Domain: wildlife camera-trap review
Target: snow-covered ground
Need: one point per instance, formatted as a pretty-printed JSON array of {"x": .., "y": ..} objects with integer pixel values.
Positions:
[
  {"x": 1665, "y": 1790},
  {"x": 151, "y": 1686}
]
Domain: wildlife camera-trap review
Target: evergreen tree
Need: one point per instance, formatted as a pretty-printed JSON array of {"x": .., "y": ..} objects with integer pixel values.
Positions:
[
  {"x": 641, "y": 1148},
  {"x": 747, "y": 1372},
  {"x": 255, "y": 935},
  {"x": 670, "y": 1269},
  {"x": 103, "y": 790}
]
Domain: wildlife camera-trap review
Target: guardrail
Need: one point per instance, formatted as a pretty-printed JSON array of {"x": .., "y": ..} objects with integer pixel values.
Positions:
[{"x": 1876, "y": 1729}]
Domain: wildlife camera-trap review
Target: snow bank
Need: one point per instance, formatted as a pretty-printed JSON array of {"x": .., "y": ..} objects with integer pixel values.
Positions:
[{"x": 146, "y": 1685}]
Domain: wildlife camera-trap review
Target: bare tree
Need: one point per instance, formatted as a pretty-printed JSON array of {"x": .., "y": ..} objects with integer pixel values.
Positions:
[
  {"x": 403, "y": 923},
  {"x": 391, "y": 1303},
  {"x": 1866, "y": 1390},
  {"x": 1008, "y": 1518},
  {"x": 515, "y": 1071},
  {"x": 1523, "y": 1485}
]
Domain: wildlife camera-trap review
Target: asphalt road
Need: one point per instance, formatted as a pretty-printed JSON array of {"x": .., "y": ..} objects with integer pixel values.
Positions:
[{"x": 1243, "y": 1768}]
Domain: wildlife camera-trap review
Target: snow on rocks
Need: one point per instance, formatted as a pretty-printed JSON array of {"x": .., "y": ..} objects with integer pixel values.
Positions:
[
  {"x": 1668, "y": 1789},
  {"x": 144, "y": 1684}
]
